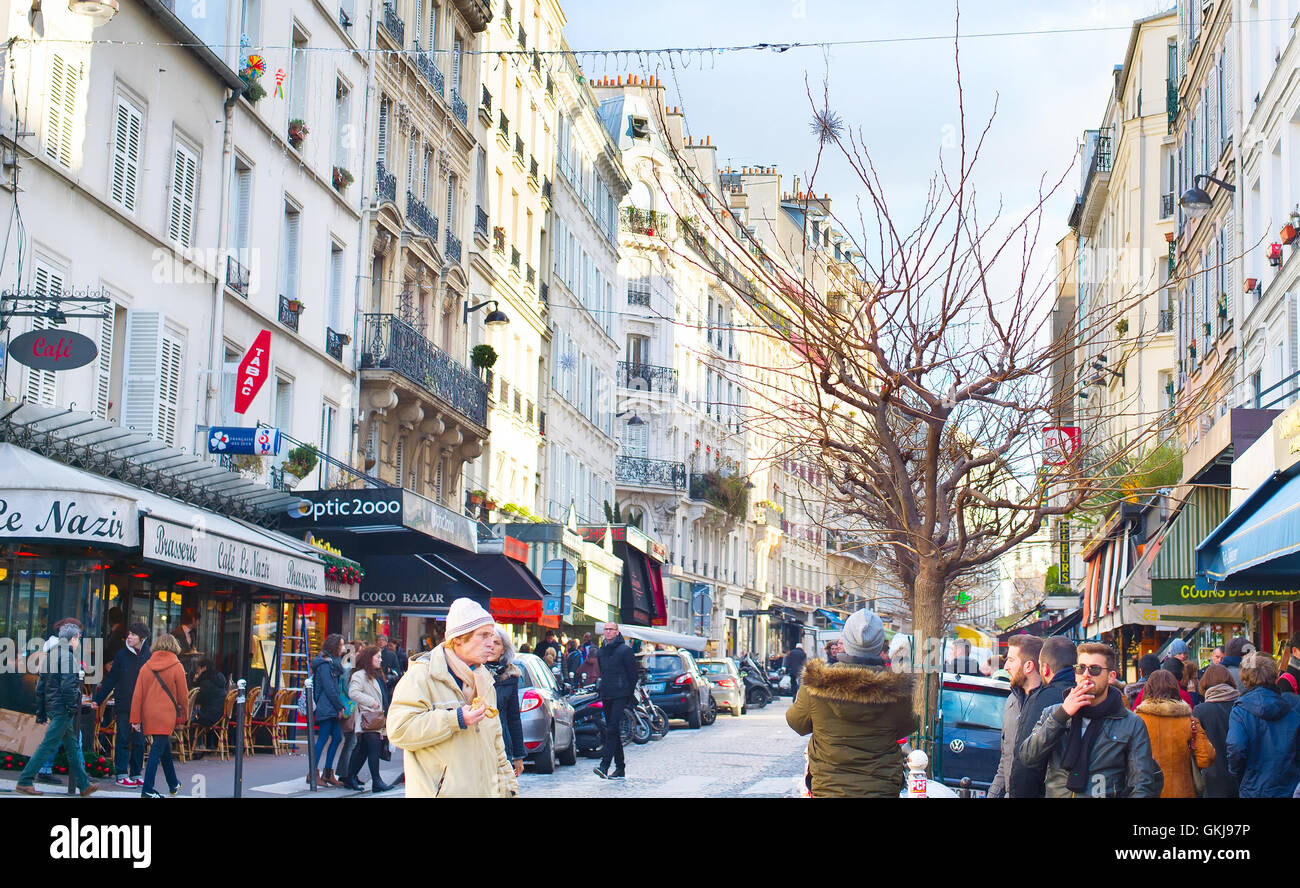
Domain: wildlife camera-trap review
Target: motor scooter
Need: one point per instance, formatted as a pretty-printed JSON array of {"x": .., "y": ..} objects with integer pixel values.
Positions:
[{"x": 758, "y": 692}]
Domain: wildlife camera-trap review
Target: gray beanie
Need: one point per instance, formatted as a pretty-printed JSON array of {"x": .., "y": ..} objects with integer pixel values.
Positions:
[
  {"x": 69, "y": 631},
  {"x": 863, "y": 634}
]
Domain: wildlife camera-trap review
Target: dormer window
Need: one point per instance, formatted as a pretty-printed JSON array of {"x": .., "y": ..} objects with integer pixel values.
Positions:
[{"x": 640, "y": 127}]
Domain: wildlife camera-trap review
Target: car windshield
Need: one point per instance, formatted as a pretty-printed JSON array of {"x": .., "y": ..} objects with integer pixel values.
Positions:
[
  {"x": 662, "y": 664},
  {"x": 714, "y": 668},
  {"x": 966, "y": 708}
]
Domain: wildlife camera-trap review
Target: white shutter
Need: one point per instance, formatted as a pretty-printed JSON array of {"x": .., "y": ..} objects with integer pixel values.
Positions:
[
  {"x": 104, "y": 363},
  {"x": 141, "y": 371},
  {"x": 126, "y": 154},
  {"x": 1231, "y": 283},
  {"x": 229, "y": 379},
  {"x": 411, "y": 145},
  {"x": 1212, "y": 119},
  {"x": 424, "y": 175},
  {"x": 171, "y": 373},
  {"x": 1182, "y": 40},
  {"x": 291, "y": 222},
  {"x": 1229, "y": 87},
  {"x": 400, "y": 459},
  {"x": 455, "y": 63},
  {"x": 1292, "y": 338},
  {"x": 185, "y": 174},
  {"x": 243, "y": 209},
  {"x": 336, "y": 290},
  {"x": 61, "y": 110},
  {"x": 419, "y": 23},
  {"x": 383, "y": 132},
  {"x": 42, "y": 385}
]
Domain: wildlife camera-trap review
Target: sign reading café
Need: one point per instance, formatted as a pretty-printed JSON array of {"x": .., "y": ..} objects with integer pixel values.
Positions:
[{"x": 195, "y": 549}]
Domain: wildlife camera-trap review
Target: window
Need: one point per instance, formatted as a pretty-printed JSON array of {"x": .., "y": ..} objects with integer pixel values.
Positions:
[
  {"x": 152, "y": 375},
  {"x": 289, "y": 253},
  {"x": 419, "y": 24},
  {"x": 342, "y": 123},
  {"x": 105, "y": 365},
  {"x": 61, "y": 111},
  {"x": 426, "y": 174},
  {"x": 298, "y": 77},
  {"x": 384, "y": 104},
  {"x": 42, "y": 385},
  {"x": 334, "y": 314},
  {"x": 242, "y": 201},
  {"x": 450, "y": 218},
  {"x": 328, "y": 415},
  {"x": 457, "y": 47},
  {"x": 250, "y": 15},
  {"x": 184, "y": 193},
  {"x": 412, "y": 146},
  {"x": 283, "y": 403},
  {"x": 128, "y": 126}
]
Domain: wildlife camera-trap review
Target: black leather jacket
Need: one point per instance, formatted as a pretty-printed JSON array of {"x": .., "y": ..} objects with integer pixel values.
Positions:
[
  {"x": 59, "y": 689},
  {"x": 1121, "y": 765},
  {"x": 618, "y": 669}
]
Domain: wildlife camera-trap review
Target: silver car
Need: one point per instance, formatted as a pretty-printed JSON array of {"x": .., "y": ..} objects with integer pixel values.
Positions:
[
  {"x": 728, "y": 686},
  {"x": 546, "y": 715}
]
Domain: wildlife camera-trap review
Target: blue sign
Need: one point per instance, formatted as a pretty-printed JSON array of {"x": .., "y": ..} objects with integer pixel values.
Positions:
[
  {"x": 558, "y": 577},
  {"x": 260, "y": 441}
]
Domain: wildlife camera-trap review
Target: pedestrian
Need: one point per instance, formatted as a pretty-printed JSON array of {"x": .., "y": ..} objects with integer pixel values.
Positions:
[
  {"x": 572, "y": 659},
  {"x": 1192, "y": 683},
  {"x": 444, "y": 714},
  {"x": 210, "y": 704},
  {"x": 1237, "y": 648},
  {"x": 1220, "y": 696},
  {"x": 157, "y": 709},
  {"x": 128, "y": 744},
  {"x": 1178, "y": 743},
  {"x": 794, "y": 665},
  {"x": 1022, "y": 667},
  {"x": 58, "y": 703},
  {"x": 1264, "y": 733},
  {"x": 1216, "y": 656},
  {"x": 1289, "y": 681},
  {"x": 366, "y": 689},
  {"x": 1111, "y": 756},
  {"x": 525, "y": 648},
  {"x": 1147, "y": 664},
  {"x": 550, "y": 644},
  {"x": 1056, "y": 662},
  {"x": 327, "y": 694},
  {"x": 856, "y": 711},
  {"x": 549, "y": 658},
  {"x": 116, "y": 638},
  {"x": 588, "y": 646},
  {"x": 1177, "y": 656},
  {"x": 830, "y": 652},
  {"x": 392, "y": 667},
  {"x": 506, "y": 675},
  {"x": 185, "y": 632},
  {"x": 1174, "y": 667},
  {"x": 618, "y": 678}
]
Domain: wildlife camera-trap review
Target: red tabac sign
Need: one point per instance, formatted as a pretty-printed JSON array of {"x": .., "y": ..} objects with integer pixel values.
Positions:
[{"x": 252, "y": 371}]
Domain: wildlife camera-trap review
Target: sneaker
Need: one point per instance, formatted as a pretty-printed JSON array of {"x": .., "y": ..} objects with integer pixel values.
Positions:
[
  {"x": 174, "y": 791},
  {"x": 150, "y": 794},
  {"x": 600, "y": 772},
  {"x": 618, "y": 774},
  {"x": 134, "y": 782},
  {"x": 90, "y": 790}
]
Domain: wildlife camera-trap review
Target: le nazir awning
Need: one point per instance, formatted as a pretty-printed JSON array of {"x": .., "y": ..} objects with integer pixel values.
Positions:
[{"x": 1254, "y": 554}]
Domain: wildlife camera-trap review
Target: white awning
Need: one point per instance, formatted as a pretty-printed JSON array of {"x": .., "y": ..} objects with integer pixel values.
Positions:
[{"x": 659, "y": 636}]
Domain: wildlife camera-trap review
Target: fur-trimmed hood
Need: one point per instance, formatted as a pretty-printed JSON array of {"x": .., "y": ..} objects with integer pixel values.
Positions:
[
  {"x": 850, "y": 683},
  {"x": 1164, "y": 708}
]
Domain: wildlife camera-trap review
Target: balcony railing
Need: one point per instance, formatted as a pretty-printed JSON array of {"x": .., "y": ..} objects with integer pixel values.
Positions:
[
  {"x": 1166, "y": 324},
  {"x": 453, "y": 247},
  {"x": 1166, "y": 205},
  {"x": 334, "y": 343},
  {"x": 480, "y": 222},
  {"x": 390, "y": 343},
  {"x": 638, "y": 291},
  {"x": 550, "y": 86},
  {"x": 458, "y": 107},
  {"x": 519, "y": 148},
  {"x": 530, "y": 275},
  {"x": 647, "y": 378},
  {"x": 386, "y": 182},
  {"x": 236, "y": 276},
  {"x": 647, "y": 222},
  {"x": 532, "y": 168},
  {"x": 546, "y": 189},
  {"x": 428, "y": 70},
  {"x": 537, "y": 63},
  {"x": 1171, "y": 102},
  {"x": 523, "y": 37},
  {"x": 503, "y": 126},
  {"x": 487, "y": 105},
  {"x": 638, "y": 471},
  {"x": 394, "y": 25},
  {"x": 505, "y": 13},
  {"x": 287, "y": 316},
  {"x": 1101, "y": 158},
  {"x": 421, "y": 216},
  {"x": 514, "y": 258},
  {"x": 544, "y": 292}
]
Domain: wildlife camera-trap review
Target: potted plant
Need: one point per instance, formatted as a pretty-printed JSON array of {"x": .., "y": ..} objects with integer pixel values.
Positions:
[
  {"x": 253, "y": 89},
  {"x": 297, "y": 306},
  {"x": 476, "y": 498},
  {"x": 1251, "y": 284},
  {"x": 1121, "y": 327},
  {"x": 301, "y": 460},
  {"x": 1275, "y": 254},
  {"x": 1288, "y": 233},
  {"x": 342, "y": 178},
  {"x": 489, "y": 504},
  {"x": 297, "y": 132},
  {"x": 483, "y": 357},
  {"x": 248, "y": 464}
]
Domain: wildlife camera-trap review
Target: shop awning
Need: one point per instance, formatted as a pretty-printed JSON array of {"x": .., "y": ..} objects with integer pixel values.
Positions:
[
  {"x": 1172, "y": 558},
  {"x": 516, "y": 593},
  {"x": 430, "y": 581},
  {"x": 659, "y": 636},
  {"x": 1254, "y": 554},
  {"x": 1107, "y": 569},
  {"x": 836, "y": 621}
]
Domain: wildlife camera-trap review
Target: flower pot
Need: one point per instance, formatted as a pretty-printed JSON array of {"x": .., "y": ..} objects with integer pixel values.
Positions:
[
  {"x": 1275, "y": 254},
  {"x": 1251, "y": 283},
  {"x": 1288, "y": 233},
  {"x": 295, "y": 306}
]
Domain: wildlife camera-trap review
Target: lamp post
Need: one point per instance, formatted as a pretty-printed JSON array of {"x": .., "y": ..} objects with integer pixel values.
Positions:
[{"x": 1196, "y": 201}]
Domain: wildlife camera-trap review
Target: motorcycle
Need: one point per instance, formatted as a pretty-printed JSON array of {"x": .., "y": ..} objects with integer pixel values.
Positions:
[
  {"x": 653, "y": 715},
  {"x": 758, "y": 691}
]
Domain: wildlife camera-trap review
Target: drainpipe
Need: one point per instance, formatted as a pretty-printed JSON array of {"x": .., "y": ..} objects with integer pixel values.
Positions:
[{"x": 216, "y": 332}]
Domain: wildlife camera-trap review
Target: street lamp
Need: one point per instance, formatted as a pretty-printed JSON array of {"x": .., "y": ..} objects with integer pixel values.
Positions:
[
  {"x": 635, "y": 420},
  {"x": 495, "y": 318},
  {"x": 100, "y": 11},
  {"x": 1196, "y": 201}
]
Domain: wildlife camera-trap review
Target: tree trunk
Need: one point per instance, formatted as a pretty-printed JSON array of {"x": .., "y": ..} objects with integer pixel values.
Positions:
[{"x": 927, "y": 636}]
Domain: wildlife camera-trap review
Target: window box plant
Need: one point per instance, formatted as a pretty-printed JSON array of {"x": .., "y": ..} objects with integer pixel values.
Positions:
[
  {"x": 1251, "y": 283},
  {"x": 1288, "y": 233},
  {"x": 297, "y": 132},
  {"x": 253, "y": 89},
  {"x": 1274, "y": 255},
  {"x": 297, "y": 306},
  {"x": 476, "y": 497},
  {"x": 342, "y": 178},
  {"x": 301, "y": 460},
  {"x": 483, "y": 357}
]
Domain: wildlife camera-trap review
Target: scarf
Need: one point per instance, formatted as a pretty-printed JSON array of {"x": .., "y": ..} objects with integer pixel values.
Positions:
[
  {"x": 1222, "y": 693},
  {"x": 462, "y": 671},
  {"x": 1079, "y": 743}
]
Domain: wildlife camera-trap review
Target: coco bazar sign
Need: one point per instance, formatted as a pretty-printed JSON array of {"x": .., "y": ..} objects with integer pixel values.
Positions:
[{"x": 195, "y": 549}]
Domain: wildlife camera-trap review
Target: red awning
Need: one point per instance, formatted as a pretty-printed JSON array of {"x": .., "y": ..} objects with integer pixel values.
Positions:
[{"x": 515, "y": 610}]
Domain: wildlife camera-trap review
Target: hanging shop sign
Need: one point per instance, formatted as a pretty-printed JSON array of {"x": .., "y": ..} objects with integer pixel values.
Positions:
[
  {"x": 259, "y": 441},
  {"x": 69, "y": 515},
  {"x": 1185, "y": 592},
  {"x": 426, "y": 516},
  {"x": 252, "y": 371},
  {"x": 1061, "y": 444},
  {"x": 1064, "y": 576},
  {"x": 53, "y": 350},
  {"x": 368, "y": 507},
  {"x": 194, "y": 548}
]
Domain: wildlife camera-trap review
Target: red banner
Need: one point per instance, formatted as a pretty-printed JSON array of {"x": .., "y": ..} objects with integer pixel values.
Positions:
[
  {"x": 514, "y": 610},
  {"x": 252, "y": 371},
  {"x": 516, "y": 549}
]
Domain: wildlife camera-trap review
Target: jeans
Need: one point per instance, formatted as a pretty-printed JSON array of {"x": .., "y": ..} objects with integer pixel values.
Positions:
[
  {"x": 328, "y": 729},
  {"x": 61, "y": 732},
  {"x": 128, "y": 746},
  {"x": 345, "y": 753},
  {"x": 160, "y": 751},
  {"x": 367, "y": 750},
  {"x": 613, "y": 735}
]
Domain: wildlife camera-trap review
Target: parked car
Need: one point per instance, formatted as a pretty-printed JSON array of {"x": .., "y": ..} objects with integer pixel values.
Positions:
[
  {"x": 728, "y": 686},
  {"x": 971, "y": 738},
  {"x": 547, "y": 716},
  {"x": 678, "y": 687}
]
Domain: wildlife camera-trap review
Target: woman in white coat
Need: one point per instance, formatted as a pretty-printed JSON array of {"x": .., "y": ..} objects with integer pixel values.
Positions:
[{"x": 366, "y": 688}]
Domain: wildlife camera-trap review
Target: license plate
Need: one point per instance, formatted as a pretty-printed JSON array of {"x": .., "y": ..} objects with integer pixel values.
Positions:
[
  {"x": 657, "y": 687},
  {"x": 979, "y": 793}
]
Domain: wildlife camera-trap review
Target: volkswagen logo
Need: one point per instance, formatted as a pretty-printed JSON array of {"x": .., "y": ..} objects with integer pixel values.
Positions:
[{"x": 957, "y": 746}]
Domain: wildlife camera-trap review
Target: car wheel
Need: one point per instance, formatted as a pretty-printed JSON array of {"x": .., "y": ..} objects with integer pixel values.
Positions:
[
  {"x": 693, "y": 718},
  {"x": 737, "y": 709},
  {"x": 570, "y": 755},
  {"x": 710, "y": 714},
  {"x": 744, "y": 710},
  {"x": 544, "y": 761}
]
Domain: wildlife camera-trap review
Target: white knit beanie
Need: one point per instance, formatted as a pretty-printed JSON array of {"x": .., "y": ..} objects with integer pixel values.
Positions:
[{"x": 464, "y": 616}]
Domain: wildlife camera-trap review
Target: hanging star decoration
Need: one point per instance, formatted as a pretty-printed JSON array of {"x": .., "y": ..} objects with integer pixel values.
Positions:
[
  {"x": 827, "y": 126},
  {"x": 279, "y": 83},
  {"x": 963, "y": 598},
  {"x": 567, "y": 362}
]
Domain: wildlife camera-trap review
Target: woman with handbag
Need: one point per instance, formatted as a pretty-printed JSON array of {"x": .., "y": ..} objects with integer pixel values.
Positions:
[
  {"x": 326, "y": 670},
  {"x": 1221, "y": 694},
  {"x": 1177, "y": 739},
  {"x": 157, "y": 707},
  {"x": 366, "y": 688}
]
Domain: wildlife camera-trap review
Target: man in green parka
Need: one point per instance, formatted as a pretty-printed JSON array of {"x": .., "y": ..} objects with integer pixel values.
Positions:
[{"x": 856, "y": 710}]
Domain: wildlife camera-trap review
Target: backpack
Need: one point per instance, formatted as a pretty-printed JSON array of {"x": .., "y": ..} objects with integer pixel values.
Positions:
[
  {"x": 1289, "y": 679},
  {"x": 349, "y": 707}
]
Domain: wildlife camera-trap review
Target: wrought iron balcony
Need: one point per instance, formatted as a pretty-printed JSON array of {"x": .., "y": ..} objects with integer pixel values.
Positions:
[
  {"x": 393, "y": 24},
  {"x": 390, "y": 343},
  {"x": 550, "y": 86},
  {"x": 453, "y": 247},
  {"x": 487, "y": 104},
  {"x": 503, "y": 126},
  {"x": 636, "y": 471},
  {"x": 1166, "y": 321},
  {"x": 546, "y": 189},
  {"x": 287, "y": 316},
  {"x": 638, "y": 291},
  {"x": 505, "y": 13},
  {"x": 480, "y": 223},
  {"x": 428, "y": 69},
  {"x": 334, "y": 342},
  {"x": 541, "y": 423},
  {"x": 386, "y": 182},
  {"x": 537, "y": 63},
  {"x": 1166, "y": 205},
  {"x": 523, "y": 37},
  {"x": 532, "y": 168},
  {"x": 530, "y": 275},
  {"x": 544, "y": 292},
  {"x": 647, "y": 378},
  {"x": 647, "y": 222},
  {"x": 421, "y": 216},
  {"x": 458, "y": 107},
  {"x": 236, "y": 276},
  {"x": 514, "y": 258},
  {"x": 1171, "y": 102},
  {"x": 519, "y": 147}
]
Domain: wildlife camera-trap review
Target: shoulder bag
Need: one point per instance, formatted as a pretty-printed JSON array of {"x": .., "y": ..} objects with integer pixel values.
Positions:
[{"x": 180, "y": 713}]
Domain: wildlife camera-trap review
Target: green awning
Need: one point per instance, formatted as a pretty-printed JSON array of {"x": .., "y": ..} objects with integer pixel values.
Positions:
[
  {"x": 1174, "y": 565},
  {"x": 1005, "y": 623}
]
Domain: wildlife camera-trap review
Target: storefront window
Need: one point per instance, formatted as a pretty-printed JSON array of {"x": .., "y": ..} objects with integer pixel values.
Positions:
[
  {"x": 368, "y": 623},
  {"x": 30, "y": 604},
  {"x": 85, "y": 594}
]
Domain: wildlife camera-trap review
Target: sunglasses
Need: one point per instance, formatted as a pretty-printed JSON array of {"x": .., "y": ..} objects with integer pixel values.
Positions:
[{"x": 1092, "y": 670}]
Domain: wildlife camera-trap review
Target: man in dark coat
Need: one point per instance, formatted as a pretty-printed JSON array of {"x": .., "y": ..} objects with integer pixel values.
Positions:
[
  {"x": 389, "y": 663},
  {"x": 1056, "y": 660},
  {"x": 116, "y": 637},
  {"x": 794, "y": 663},
  {"x": 618, "y": 678},
  {"x": 128, "y": 744},
  {"x": 58, "y": 702},
  {"x": 1147, "y": 664}
]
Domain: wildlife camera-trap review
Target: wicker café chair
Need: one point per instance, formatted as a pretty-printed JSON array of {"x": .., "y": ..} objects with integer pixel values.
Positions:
[
  {"x": 271, "y": 722},
  {"x": 218, "y": 727},
  {"x": 104, "y": 733},
  {"x": 250, "y": 703}
]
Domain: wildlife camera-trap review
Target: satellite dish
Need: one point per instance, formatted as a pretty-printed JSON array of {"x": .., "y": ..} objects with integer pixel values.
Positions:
[{"x": 300, "y": 509}]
